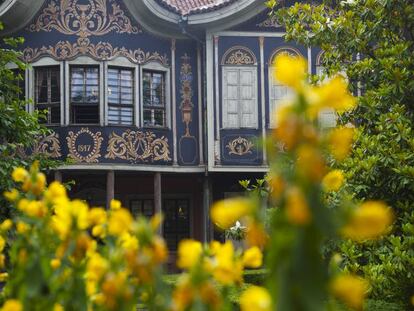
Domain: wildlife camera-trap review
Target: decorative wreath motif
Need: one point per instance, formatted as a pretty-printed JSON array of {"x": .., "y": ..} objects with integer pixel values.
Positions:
[
  {"x": 84, "y": 20},
  {"x": 48, "y": 145},
  {"x": 138, "y": 146},
  {"x": 240, "y": 146},
  {"x": 93, "y": 155}
]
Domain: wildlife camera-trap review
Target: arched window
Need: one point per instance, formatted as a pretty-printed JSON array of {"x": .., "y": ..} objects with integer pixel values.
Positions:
[
  {"x": 278, "y": 93},
  {"x": 239, "y": 88}
]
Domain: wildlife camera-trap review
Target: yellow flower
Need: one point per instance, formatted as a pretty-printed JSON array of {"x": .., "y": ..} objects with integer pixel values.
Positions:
[
  {"x": 350, "y": 289},
  {"x": 333, "y": 181},
  {"x": 227, "y": 269},
  {"x": 256, "y": 234},
  {"x": 35, "y": 209},
  {"x": 255, "y": 298},
  {"x": 98, "y": 231},
  {"x": 6, "y": 225},
  {"x": 310, "y": 163},
  {"x": 80, "y": 211},
  {"x": 156, "y": 221},
  {"x": 129, "y": 241},
  {"x": 210, "y": 296},
  {"x": 2, "y": 260},
  {"x": 183, "y": 294},
  {"x": 369, "y": 221},
  {"x": 22, "y": 227},
  {"x": 225, "y": 213},
  {"x": 12, "y": 305},
  {"x": 40, "y": 184},
  {"x": 290, "y": 70},
  {"x": 96, "y": 216},
  {"x": 160, "y": 251},
  {"x": 115, "y": 204},
  {"x": 189, "y": 252},
  {"x": 120, "y": 221},
  {"x": 55, "y": 190},
  {"x": 58, "y": 307},
  {"x": 11, "y": 195},
  {"x": 297, "y": 209},
  {"x": 335, "y": 94},
  {"x": 96, "y": 267},
  {"x": 277, "y": 186},
  {"x": 20, "y": 174},
  {"x": 55, "y": 263},
  {"x": 340, "y": 142},
  {"x": 4, "y": 276},
  {"x": 288, "y": 130},
  {"x": 2, "y": 243},
  {"x": 253, "y": 257}
]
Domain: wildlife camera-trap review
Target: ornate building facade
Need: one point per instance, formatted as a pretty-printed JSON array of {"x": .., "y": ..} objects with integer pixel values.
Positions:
[{"x": 159, "y": 103}]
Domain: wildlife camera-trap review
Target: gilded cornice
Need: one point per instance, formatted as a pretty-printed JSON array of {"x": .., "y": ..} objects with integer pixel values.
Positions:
[{"x": 65, "y": 50}]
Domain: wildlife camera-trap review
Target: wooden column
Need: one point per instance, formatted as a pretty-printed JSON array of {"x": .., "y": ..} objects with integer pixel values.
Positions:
[
  {"x": 58, "y": 176},
  {"x": 110, "y": 185},
  {"x": 206, "y": 209},
  {"x": 157, "y": 196}
]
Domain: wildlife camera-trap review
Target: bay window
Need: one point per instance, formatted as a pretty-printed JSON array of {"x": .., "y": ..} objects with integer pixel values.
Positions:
[
  {"x": 154, "y": 98},
  {"x": 84, "y": 95},
  {"x": 47, "y": 93},
  {"x": 120, "y": 96}
]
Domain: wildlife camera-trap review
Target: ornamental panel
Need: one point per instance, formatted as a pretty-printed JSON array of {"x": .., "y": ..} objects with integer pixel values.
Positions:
[
  {"x": 96, "y": 18},
  {"x": 239, "y": 55}
]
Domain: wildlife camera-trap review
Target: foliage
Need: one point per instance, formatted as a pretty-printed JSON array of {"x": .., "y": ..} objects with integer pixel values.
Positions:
[
  {"x": 18, "y": 128},
  {"x": 235, "y": 233},
  {"x": 109, "y": 261},
  {"x": 372, "y": 41}
]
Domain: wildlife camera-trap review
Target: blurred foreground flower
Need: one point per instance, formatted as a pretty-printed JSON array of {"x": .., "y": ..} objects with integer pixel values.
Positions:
[
  {"x": 256, "y": 298},
  {"x": 368, "y": 221},
  {"x": 350, "y": 289}
]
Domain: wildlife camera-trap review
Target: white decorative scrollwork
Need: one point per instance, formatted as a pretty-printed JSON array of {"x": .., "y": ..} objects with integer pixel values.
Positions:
[{"x": 96, "y": 18}]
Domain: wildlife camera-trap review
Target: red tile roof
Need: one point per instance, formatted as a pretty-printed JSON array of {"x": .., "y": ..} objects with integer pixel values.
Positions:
[{"x": 188, "y": 7}]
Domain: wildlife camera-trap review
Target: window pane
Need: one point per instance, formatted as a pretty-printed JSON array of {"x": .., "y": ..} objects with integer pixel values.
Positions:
[
  {"x": 147, "y": 117},
  {"x": 47, "y": 93},
  {"x": 159, "y": 117}
]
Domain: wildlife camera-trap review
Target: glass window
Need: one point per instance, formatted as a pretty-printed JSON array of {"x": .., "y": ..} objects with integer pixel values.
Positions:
[
  {"x": 154, "y": 98},
  {"x": 120, "y": 96},
  {"x": 84, "y": 95},
  {"x": 19, "y": 79},
  {"x": 47, "y": 93}
]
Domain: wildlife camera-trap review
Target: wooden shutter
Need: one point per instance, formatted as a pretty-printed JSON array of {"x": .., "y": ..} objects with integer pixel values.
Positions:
[
  {"x": 231, "y": 97},
  {"x": 248, "y": 97},
  {"x": 239, "y": 97}
]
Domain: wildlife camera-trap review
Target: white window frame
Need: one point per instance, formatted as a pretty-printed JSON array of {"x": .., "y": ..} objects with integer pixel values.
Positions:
[
  {"x": 29, "y": 107},
  {"x": 47, "y": 62},
  {"x": 166, "y": 70},
  {"x": 255, "y": 124},
  {"x": 122, "y": 62},
  {"x": 85, "y": 61}
]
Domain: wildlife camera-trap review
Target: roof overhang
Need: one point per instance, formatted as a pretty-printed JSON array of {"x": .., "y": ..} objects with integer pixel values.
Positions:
[{"x": 15, "y": 14}]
